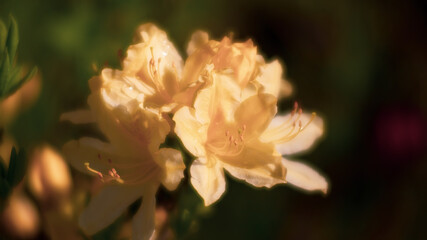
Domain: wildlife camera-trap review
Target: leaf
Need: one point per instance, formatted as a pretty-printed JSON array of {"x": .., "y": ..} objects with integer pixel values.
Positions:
[
  {"x": 29, "y": 75},
  {"x": 15, "y": 82},
  {"x": 3, "y": 35},
  {"x": 4, "y": 71},
  {"x": 12, "y": 38},
  {"x": 17, "y": 167}
]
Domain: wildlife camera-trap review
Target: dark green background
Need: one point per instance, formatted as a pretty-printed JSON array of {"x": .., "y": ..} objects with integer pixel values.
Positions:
[{"x": 362, "y": 65}]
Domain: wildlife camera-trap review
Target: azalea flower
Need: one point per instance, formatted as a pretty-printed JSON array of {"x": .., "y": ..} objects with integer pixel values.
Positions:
[
  {"x": 131, "y": 162},
  {"x": 153, "y": 68},
  {"x": 240, "y": 59},
  {"x": 240, "y": 135}
]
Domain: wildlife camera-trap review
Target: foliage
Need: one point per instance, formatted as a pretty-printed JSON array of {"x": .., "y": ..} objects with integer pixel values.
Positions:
[{"x": 10, "y": 73}]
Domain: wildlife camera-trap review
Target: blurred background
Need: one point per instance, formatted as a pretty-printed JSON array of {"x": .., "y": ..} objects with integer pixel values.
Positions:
[{"x": 361, "y": 65}]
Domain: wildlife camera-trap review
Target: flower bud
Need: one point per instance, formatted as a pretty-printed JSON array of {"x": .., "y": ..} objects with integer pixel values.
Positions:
[{"x": 49, "y": 176}]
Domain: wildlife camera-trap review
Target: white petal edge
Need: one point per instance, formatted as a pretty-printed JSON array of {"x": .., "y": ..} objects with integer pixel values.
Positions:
[
  {"x": 304, "y": 177},
  {"x": 208, "y": 180},
  {"x": 82, "y": 116},
  {"x": 108, "y": 205},
  {"x": 143, "y": 222}
]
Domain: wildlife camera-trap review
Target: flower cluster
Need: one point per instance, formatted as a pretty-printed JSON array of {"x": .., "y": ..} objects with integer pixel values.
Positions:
[{"x": 221, "y": 104}]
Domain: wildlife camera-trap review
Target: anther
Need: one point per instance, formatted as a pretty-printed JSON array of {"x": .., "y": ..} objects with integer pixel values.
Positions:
[{"x": 295, "y": 105}]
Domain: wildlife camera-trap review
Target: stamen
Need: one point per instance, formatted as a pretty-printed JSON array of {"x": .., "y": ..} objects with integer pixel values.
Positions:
[
  {"x": 290, "y": 135},
  {"x": 105, "y": 178},
  {"x": 295, "y": 105}
]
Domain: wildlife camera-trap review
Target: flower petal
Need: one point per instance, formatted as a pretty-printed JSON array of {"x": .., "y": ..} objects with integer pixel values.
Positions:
[
  {"x": 208, "y": 179},
  {"x": 78, "y": 117},
  {"x": 87, "y": 150},
  {"x": 256, "y": 113},
  {"x": 188, "y": 130},
  {"x": 198, "y": 39},
  {"x": 280, "y": 134},
  {"x": 271, "y": 78},
  {"x": 102, "y": 157},
  {"x": 304, "y": 177},
  {"x": 170, "y": 160},
  {"x": 107, "y": 205},
  {"x": 266, "y": 176},
  {"x": 197, "y": 62},
  {"x": 258, "y": 164},
  {"x": 143, "y": 222}
]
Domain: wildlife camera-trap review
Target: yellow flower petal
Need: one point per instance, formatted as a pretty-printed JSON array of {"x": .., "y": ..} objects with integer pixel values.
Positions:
[
  {"x": 187, "y": 128},
  {"x": 208, "y": 179},
  {"x": 271, "y": 77},
  {"x": 86, "y": 150},
  {"x": 304, "y": 177},
  {"x": 266, "y": 176},
  {"x": 196, "y": 63},
  {"x": 170, "y": 160},
  {"x": 143, "y": 222},
  {"x": 256, "y": 113},
  {"x": 107, "y": 205},
  {"x": 198, "y": 39},
  {"x": 102, "y": 157}
]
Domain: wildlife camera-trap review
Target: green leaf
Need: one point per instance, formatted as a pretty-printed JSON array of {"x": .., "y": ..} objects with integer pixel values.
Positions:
[
  {"x": 3, "y": 35},
  {"x": 12, "y": 38},
  {"x": 4, "y": 72},
  {"x": 17, "y": 167},
  {"x": 29, "y": 75},
  {"x": 15, "y": 82}
]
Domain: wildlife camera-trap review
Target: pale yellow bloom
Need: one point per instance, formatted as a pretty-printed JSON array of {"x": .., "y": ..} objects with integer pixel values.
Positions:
[
  {"x": 131, "y": 159},
  {"x": 153, "y": 68},
  {"x": 240, "y": 59},
  {"x": 236, "y": 132}
]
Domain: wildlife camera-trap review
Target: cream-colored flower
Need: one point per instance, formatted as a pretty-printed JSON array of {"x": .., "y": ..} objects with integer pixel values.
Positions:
[
  {"x": 239, "y": 58},
  {"x": 292, "y": 133},
  {"x": 154, "y": 68},
  {"x": 131, "y": 159},
  {"x": 224, "y": 131}
]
